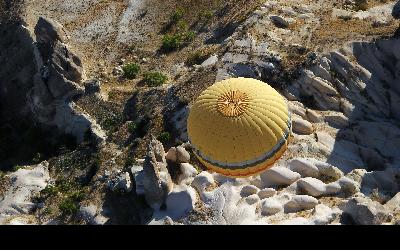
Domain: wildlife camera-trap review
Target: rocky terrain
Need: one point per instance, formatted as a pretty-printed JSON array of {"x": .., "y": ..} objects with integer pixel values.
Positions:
[{"x": 94, "y": 97}]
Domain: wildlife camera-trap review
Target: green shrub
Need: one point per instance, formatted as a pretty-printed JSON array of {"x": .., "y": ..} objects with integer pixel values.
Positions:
[
  {"x": 155, "y": 78},
  {"x": 68, "y": 206},
  {"x": 171, "y": 42},
  {"x": 131, "y": 70},
  {"x": 49, "y": 190},
  {"x": 178, "y": 40},
  {"x": 177, "y": 15},
  {"x": 132, "y": 127},
  {"x": 77, "y": 196},
  {"x": 164, "y": 137}
]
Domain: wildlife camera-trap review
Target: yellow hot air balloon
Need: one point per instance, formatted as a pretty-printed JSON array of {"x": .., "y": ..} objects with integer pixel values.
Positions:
[{"x": 239, "y": 127}]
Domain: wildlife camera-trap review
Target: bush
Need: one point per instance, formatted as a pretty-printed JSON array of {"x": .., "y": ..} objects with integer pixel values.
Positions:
[
  {"x": 50, "y": 190},
  {"x": 132, "y": 127},
  {"x": 177, "y": 15},
  {"x": 164, "y": 137},
  {"x": 155, "y": 78},
  {"x": 178, "y": 40},
  {"x": 68, "y": 206},
  {"x": 171, "y": 42},
  {"x": 131, "y": 70}
]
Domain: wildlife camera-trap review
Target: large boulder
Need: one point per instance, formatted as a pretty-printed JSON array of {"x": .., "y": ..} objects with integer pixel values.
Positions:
[
  {"x": 364, "y": 211},
  {"x": 157, "y": 181}
]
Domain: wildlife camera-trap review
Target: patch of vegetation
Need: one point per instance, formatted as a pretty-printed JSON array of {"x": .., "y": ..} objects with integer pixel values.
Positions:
[
  {"x": 205, "y": 16},
  {"x": 111, "y": 123},
  {"x": 49, "y": 190},
  {"x": 155, "y": 78},
  {"x": 132, "y": 127},
  {"x": 164, "y": 137},
  {"x": 131, "y": 70},
  {"x": 68, "y": 206},
  {"x": 177, "y": 15},
  {"x": 177, "y": 41},
  {"x": 198, "y": 56}
]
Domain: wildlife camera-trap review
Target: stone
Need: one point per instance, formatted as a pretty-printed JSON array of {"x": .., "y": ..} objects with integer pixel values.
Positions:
[
  {"x": 325, "y": 139},
  {"x": 99, "y": 220},
  {"x": 312, "y": 186},
  {"x": 87, "y": 213},
  {"x": 48, "y": 31},
  {"x": 298, "y": 109},
  {"x": 212, "y": 60},
  {"x": 313, "y": 116},
  {"x": 338, "y": 120},
  {"x": 181, "y": 201},
  {"x": 327, "y": 170},
  {"x": 187, "y": 172},
  {"x": 280, "y": 22},
  {"x": 300, "y": 203},
  {"x": 182, "y": 156},
  {"x": 364, "y": 211},
  {"x": 266, "y": 193},
  {"x": 171, "y": 154},
  {"x": 248, "y": 190},
  {"x": 25, "y": 184},
  {"x": 279, "y": 176},
  {"x": 121, "y": 182},
  {"x": 295, "y": 221},
  {"x": 394, "y": 203},
  {"x": 333, "y": 188},
  {"x": 322, "y": 214},
  {"x": 157, "y": 181},
  {"x": 203, "y": 181},
  {"x": 92, "y": 86},
  {"x": 118, "y": 71},
  {"x": 252, "y": 199},
  {"x": 270, "y": 206},
  {"x": 301, "y": 126},
  {"x": 304, "y": 167},
  {"x": 348, "y": 186}
]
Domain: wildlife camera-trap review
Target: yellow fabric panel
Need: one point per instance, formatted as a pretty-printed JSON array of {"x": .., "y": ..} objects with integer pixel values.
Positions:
[{"x": 238, "y": 121}]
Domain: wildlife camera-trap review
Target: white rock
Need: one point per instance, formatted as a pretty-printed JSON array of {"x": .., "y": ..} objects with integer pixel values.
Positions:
[
  {"x": 323, "y": 214},
  {"x": 171, "y": 154},
  {"x": 87, "y": 213},
  {"x": 299, "y": 203},
  {"x": 333, "y": 188},
  {"x": 181, "y": 201},
  {"x": 394, "y": 203},
  {"x": 182, "y": 156},
  {"x": 364, "y": 211},
  {"x": 270, "y": 206},
  {"x": 187, "y": 172},
  {"x": 25, "y": 183},
  {"x": 202, "y": 181},
  {"x": 301, "y": 126},
  {"x": 279, "y": 176},
  {"x": 313, "y": 116},
  {"x": 304, "y": 167},
  {"x": 338, "y": 120},
  {"x": 99, "y": 220},
  {"x": 312, "y": 186},
  {"x": 326, "y": 169},
  {"x": 212, "y": 60},
  {"x": 252, "y": 199},
  {"x": 266, "y": 193},
  {"x": 348, "y": 185},
  {"x": 248, "y": 190}
]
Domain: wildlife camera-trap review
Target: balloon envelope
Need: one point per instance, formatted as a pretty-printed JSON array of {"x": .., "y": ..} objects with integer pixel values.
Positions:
[{"x": 239, "y": 127}]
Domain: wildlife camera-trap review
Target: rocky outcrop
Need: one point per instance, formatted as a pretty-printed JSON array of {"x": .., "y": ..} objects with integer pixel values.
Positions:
[
  {"x": 25, "y": 184},
  {"x": 49, "y": 83},
  {"x": 157, "y": 181}
]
